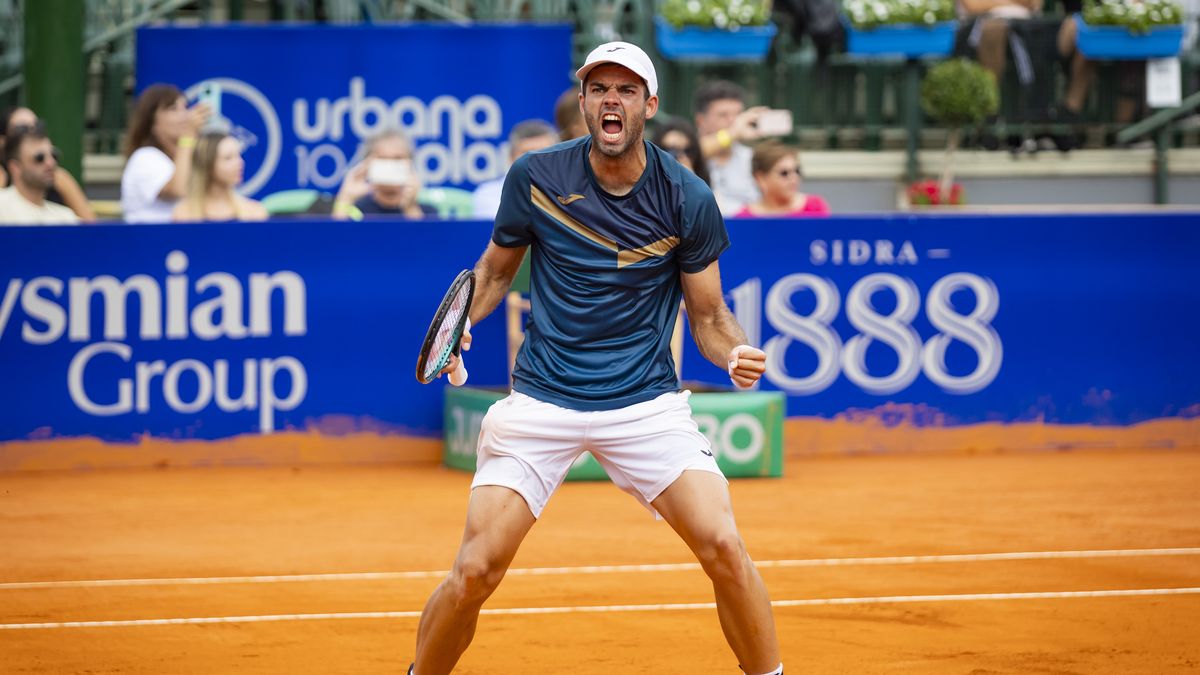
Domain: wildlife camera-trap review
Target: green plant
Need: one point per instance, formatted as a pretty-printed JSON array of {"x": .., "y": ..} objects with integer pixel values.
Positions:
[
  {"x": 722, "y": 14},
  {"x": 1138, "y": 17},
  {"x": 867, "y": 14},
  {"x": 957, "y": 92}
]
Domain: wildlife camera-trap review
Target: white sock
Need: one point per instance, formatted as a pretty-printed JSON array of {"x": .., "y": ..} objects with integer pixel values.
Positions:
[{"x": 778, "y": 670}]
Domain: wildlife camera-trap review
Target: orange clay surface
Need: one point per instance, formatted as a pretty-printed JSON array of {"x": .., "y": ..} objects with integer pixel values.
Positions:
[{"x": 181, "y": 525}]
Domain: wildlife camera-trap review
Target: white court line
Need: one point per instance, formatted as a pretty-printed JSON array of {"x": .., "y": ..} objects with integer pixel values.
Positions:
[
  {"x": 611, "y": 569},
  {"x": 599, "y": 609}
]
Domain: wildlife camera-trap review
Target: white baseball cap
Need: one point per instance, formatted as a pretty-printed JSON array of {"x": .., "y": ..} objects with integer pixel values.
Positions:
[{"x": 623, "y": 54}]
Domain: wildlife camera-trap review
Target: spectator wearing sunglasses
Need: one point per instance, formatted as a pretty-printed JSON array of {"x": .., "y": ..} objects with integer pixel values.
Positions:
[
  {"x": 66, "y": 189},
  {"x": 679, "y": 138},
  {"x": 31, "y": 162},
  {"x": 776, "y": 170}
]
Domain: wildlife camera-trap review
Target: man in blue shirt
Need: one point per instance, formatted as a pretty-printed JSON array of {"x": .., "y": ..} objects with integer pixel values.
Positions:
[{"x": 619, "y": 232}]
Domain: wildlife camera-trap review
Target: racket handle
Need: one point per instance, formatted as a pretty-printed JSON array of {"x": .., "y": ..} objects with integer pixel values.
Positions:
[{"x": 458, "y": 376}]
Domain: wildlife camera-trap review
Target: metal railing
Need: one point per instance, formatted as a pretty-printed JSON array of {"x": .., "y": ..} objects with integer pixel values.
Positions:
[
  {"x": 846, "y": 104},
  {"x": 1159, "y": 124}
]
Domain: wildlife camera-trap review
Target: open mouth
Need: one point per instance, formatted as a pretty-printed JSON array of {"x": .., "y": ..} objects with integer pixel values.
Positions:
[{"x": 611, "y": 125}]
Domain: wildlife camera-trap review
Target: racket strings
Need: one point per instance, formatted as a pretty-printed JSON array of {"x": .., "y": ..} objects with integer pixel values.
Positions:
[{"x": 446, "y": 337}]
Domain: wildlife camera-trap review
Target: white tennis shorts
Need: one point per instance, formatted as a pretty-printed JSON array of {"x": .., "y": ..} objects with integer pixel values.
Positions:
[{"x": 528, "y": 445}]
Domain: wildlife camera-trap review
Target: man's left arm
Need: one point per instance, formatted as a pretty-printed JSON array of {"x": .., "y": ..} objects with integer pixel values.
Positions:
[{"x": 716, "y": 331}]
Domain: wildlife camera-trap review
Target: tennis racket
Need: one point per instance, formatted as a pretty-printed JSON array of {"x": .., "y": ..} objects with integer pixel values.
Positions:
[{"x": 446, "y": 330}]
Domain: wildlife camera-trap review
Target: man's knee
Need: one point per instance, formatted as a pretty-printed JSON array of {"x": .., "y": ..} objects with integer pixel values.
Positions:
[
  {"x": 474, "y": 578},
  {"x": 723, "y": 557}
]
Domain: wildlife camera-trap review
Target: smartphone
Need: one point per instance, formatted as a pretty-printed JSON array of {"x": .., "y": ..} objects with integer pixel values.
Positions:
[
  {"x": 775, "y": 123},
  {"x": 390, "y": 172},
  {"x": 210, "y": 95}
]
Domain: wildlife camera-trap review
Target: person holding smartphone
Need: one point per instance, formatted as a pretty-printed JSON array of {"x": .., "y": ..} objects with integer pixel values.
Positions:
[
  {"x": 384, "y": 183},
  {"x": 727, "y": 128},
  {"x": 162, "y": 138}
]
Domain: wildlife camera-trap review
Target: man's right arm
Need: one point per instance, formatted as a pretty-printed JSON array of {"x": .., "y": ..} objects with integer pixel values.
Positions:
[{"x": 494, "y": 275}]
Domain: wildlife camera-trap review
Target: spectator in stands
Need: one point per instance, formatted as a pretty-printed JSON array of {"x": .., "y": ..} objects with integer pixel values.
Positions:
[
  {"x": 162, "y": 138},
  {"x": 776, "y": 169},
  {"x": 725, "y": 125},
  {"x": 217, "y": 169},
  {"x": 66, "y": 189},
  {"x": 1131, "y": 80},
  {"x": 987, "y": 33},
  {"x": 386, "y": 182},
  {"x": 31, "y": 162},
  {"x": 525, "y": 137},
  {"x": 568, "y": 117},
  {"x": 678, "y": 137}
]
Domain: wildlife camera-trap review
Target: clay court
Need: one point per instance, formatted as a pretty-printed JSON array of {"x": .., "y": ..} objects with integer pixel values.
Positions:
[{"x": 1033, "y": 562}]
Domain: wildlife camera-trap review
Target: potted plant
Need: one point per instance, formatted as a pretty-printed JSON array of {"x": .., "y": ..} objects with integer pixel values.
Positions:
[
  {"x": 909, "y": 28},
  {"x": 956, "y": 93},
  {"x": 1119, "y": 29},
  {"x": 731, "y": 30}
]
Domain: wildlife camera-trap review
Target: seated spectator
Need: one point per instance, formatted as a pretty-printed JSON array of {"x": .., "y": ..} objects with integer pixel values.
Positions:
[
  {"x": 679, "y": 138},
  {"x": 1131, "y": 79},
  {"x": 66, "y": 189},
  {"x": 217, "y": 169},
  {"x": 384, "y": 183},
  {"x": 525, "y": 137},
  {"x": 162, "y": 137},
  {"x": 989, "y": 37},
  {"x": 725, "y": 125},
  {"x": 776, "y": 169},
  {"x": 568, "y": 117},
  {"x": 31, "y": 162}
]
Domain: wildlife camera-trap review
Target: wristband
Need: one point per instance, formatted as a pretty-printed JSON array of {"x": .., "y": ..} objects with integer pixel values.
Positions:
[
  {"x": 458, "y": 376},
  {"x": 724, "y": 139},
  {"x": 186, "y": 142},
  {"x": 348, "y": 210}
]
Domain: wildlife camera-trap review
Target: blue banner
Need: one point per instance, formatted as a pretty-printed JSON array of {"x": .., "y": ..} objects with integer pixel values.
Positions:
[
  {"x": 1062, "y": 319},
  {"x": 211, "y": 331},
  {"x": 303, "y": 98}
]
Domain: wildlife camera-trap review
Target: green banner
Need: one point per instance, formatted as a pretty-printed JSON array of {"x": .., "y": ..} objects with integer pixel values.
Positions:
[{"x": 744, "y": 428}]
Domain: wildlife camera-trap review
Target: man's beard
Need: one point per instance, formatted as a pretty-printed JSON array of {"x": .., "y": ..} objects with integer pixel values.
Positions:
[{"x": 633, "y": 136}]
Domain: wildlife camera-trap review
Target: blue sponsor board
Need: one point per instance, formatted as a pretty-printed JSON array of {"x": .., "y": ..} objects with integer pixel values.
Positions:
[
  {"x": 303, "y": 98},
  {"x": 209, "y": 331}
]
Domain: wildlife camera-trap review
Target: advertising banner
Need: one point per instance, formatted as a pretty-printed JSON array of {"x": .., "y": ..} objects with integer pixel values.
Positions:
[
  {"x": 170, "y": 333},
  {"x": 303, "y": 98},
  {"x": 745, "y": 431}
]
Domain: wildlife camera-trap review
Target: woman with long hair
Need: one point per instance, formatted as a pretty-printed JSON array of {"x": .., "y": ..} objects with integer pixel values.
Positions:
[
  {"x": 217, "y": 169},
  {"x": 678, "y": 137},
  {"x": 66, "y": 189},
  {"x": 776, "y": 169},
  {"x": 162, "y": 137}
]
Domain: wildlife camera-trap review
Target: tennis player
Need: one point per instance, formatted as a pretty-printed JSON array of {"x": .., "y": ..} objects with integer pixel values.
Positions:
[{"x": 619, "y": 231}]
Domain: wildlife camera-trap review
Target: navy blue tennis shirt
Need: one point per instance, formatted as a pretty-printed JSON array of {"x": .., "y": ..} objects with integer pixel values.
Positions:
[{"x": 604, "y": 275}]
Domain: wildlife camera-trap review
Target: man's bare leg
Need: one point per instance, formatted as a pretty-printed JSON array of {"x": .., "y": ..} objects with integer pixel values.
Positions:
[
  {"x": 497, "y": 521},
  {"x": 698, "y": 508}
]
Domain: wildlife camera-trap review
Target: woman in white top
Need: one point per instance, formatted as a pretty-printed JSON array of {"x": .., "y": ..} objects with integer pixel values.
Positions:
[
  {"x": 217, "y": 168},
  {"x": 162, "y": 137}
]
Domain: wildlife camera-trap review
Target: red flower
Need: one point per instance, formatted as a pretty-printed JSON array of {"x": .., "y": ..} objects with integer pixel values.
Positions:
[{"x": 927, "y": 193}]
